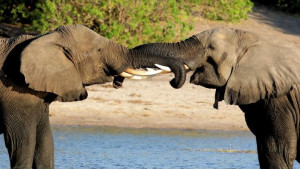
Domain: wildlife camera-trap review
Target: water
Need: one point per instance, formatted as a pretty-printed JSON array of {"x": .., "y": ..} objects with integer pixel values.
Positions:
[{"x": 113, "y": 148}]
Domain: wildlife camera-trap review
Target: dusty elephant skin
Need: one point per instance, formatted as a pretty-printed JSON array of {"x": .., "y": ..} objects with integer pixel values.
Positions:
[
  {"x": 37, "y": 70},
  {"x": 262, "y": 78}
]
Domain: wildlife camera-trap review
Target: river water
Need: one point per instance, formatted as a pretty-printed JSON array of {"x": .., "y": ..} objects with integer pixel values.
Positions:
[{"x": 115, "y": 148}]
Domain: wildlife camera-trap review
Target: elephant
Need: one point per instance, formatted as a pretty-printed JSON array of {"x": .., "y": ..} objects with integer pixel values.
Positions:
[
  {"x": 247, "y": 70},
  {"x": 57, "y": 66}
]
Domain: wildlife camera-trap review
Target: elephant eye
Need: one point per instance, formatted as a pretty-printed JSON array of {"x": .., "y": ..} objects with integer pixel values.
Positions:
[
  {"x": 212, "y": 47},
  {"x": 100, "y": 50}
]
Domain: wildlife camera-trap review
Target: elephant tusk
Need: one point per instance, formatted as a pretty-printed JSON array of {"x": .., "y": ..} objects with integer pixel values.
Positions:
[
  {"x": 126, "y": 75},
  {"x": 131, "y": 76},
  {"x": 167, "y": 69},
  {"x": 149, "y": 72},
  {"x": 187, "y": 67},
  {"x": 140, "y": 77},
  {"x": 142, "y": 74}
]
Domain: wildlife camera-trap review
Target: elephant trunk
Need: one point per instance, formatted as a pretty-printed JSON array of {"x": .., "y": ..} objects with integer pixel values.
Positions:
[
  {"x": 173, "y": 55},
  {"x": 187, "y": 51},
  {"x": 143, "y": 59}
]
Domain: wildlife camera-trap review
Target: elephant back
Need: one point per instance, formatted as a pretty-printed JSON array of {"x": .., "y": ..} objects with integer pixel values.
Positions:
[{"x": 7, "y": 45}]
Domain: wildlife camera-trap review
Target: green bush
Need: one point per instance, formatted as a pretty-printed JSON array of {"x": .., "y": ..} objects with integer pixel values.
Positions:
[
  {"x": 130, "y": 22},
  {"x": 228, "y": 10},
  {"x": 225, "y": 10}
]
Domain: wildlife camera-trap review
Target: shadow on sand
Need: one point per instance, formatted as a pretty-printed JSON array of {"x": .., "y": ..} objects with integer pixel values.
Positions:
[{"x": 286, "y": 23}]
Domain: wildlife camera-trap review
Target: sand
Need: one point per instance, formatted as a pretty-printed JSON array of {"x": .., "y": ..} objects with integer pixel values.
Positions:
[{"x": 153, "y": 103}]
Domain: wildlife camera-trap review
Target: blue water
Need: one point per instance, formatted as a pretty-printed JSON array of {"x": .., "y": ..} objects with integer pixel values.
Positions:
[{"x": 94, "y": 148}]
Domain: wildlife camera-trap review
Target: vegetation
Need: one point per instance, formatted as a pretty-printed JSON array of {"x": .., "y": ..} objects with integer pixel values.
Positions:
[
  {"x": 225, "y": 10},
  {"x": 130, "y": 22}
]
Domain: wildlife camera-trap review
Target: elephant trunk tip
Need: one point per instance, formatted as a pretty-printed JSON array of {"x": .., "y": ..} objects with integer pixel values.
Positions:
[
  {"x": 180, "y": 75},
  {"x": 175, "y": 84}
]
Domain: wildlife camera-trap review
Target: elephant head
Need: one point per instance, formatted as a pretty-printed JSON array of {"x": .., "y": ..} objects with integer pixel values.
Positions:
[
  {"x": 69, "y": 58},
  {"x": 241, "y": 66}
]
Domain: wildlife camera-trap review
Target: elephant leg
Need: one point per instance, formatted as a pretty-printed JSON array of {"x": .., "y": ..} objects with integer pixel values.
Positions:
[
  {"x": 273, "y": 125},
  {"x": 44, "y": 153},
  {"x": 21, "y": 119},
  {"x": 20, "y": 146},
  {"x": 276, "y": 154}
]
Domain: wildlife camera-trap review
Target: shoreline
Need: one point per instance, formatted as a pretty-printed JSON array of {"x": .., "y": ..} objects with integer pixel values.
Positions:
[
  {"x": 148, "y": 130},
  {"x": 151, "y": 103}
]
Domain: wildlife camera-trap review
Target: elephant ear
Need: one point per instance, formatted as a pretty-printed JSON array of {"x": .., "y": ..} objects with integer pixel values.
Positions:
[
  {"x": 47, "y": 68},
  {"x": 263, "y": 71}
]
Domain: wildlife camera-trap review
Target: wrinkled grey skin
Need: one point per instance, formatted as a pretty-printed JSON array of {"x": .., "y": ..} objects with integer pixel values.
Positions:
[
  {"x": 263, "y": 79},
  {"x": 36, "y": 71}
]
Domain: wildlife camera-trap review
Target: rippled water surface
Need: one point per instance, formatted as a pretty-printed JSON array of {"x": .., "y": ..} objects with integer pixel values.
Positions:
[{"x": 94, "y": 148}]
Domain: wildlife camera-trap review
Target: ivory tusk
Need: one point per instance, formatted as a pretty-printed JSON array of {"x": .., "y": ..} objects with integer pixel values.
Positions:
[
  {"x": 126, "y": 75},
  {"x": 149, "y": 72},
  {"x": 130, "y": 76},
  {"x": 142, "y": 74},
  {"x": 186, "y": 67},
  {"x": 167, "y": 69},
  {"x": 140, "y": 77}
]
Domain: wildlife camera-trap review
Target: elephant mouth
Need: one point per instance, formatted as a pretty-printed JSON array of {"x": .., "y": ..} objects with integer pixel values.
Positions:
[{"x": 146, "y": 73}]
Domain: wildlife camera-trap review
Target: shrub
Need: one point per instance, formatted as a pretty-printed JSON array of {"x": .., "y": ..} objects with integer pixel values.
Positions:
[
  {"x": 130, "y": 22},
  {"x": 225, "y": 10}
]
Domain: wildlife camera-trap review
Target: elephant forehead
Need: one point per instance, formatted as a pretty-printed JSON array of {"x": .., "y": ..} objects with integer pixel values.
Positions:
[
  {"x": 219, "y": 35},
  {"x": 82, "y": 38},
  {"x": 89, "y": 39}
]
